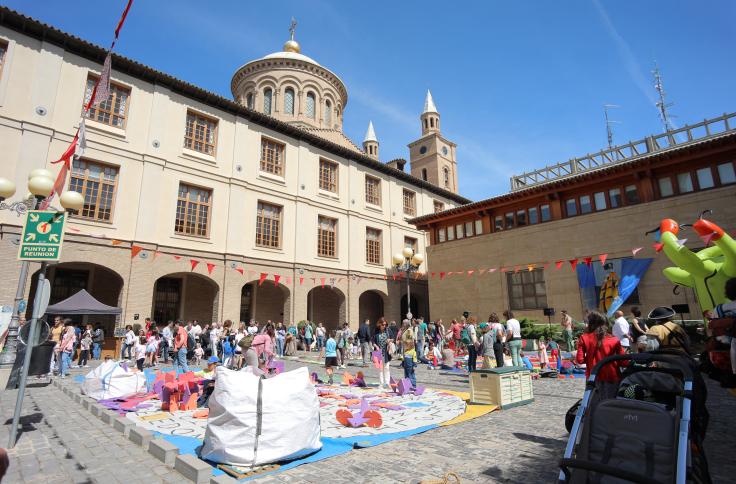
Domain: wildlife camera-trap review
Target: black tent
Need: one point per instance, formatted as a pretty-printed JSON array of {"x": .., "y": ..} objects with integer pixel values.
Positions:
[{"x": 82, "y": 303}]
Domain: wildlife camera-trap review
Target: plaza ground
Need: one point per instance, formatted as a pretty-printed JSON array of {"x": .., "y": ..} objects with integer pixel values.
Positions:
[{"x": 61, "y": 442}]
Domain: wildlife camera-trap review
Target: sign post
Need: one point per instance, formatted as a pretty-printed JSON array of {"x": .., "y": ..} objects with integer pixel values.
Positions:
[{"x": 42, "y": 236}]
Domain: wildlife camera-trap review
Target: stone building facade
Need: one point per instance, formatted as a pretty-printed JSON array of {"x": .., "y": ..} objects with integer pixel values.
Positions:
[{"x": 173, "y": 173}]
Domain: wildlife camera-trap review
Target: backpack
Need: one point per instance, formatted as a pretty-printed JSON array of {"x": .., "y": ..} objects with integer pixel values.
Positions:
[
  {"x": 190, "y": 343},
  {"x": 465, "y": 336}
]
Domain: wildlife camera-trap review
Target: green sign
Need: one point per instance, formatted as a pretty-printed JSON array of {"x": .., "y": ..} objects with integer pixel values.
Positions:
[{"x": 42, "y": 236}]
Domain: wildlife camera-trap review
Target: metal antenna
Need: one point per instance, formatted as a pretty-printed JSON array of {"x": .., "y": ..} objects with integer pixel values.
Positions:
[
  {"x": 609, "y": 122},
  {"x": 662, "y": 105}
]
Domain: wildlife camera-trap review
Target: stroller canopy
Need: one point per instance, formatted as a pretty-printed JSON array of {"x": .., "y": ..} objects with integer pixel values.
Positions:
[{"x": 82, "y": 303}]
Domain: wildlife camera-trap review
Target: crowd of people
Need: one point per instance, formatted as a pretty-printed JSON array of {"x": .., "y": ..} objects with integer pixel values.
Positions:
[{"x": 74, "y": 342}]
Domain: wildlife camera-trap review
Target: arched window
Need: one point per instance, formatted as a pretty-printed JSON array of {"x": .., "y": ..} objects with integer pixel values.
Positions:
[
  {"x": 446, "y": 174},
  {"x": 311, "y": 101},
  {"x": 424, "y": 174},
  {"x": 249, "y": 100},
  {"x": 425, "y": 123},
  {"x": 328, "y": 113},
  {"x": 267, "y": 95},
  {"x": 431, "y": 122},
  {"x": 289, "y": 101}
]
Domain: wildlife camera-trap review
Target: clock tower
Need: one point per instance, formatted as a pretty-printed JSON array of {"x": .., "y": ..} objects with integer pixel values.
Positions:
[{"x": 432, "y": 156}]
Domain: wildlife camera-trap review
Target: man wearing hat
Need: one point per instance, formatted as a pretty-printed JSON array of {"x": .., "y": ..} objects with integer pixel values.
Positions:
[{"x": 663, "y": 333}]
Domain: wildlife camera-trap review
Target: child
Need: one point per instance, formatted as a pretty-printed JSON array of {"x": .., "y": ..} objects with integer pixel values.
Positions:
[
  {"x": 330, "y": 356},
  {"x": 85, "y": 345},
  {"x": 543, "y": 358},
  {"x": 140, "y": 352},
  {"x": 152, "y": 348},
  {"x": 228, "y": 351},
  {"x": 353, "y": 348},
  {"x": 198, "y": 354}
]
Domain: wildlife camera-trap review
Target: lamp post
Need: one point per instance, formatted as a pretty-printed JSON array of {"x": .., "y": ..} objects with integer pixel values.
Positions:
[
  {"x": 69, "y": 200},
  {"x": 407, "y": 261}
]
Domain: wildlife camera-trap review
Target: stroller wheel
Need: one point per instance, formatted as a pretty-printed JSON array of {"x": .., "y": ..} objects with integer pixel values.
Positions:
[{"x": 570, "y": 415}]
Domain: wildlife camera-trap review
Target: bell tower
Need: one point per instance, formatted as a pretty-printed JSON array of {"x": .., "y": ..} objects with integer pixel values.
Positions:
[
  {"x": 432, "y": 156},
  {"x": 370, "y": 143}
]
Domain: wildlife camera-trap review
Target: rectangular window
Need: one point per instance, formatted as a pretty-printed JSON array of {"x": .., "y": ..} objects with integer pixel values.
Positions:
[
  {"x": 632, "y": 194},
  {"x": 705, "y": 178},
  {"x": 372, "y": 246},
  {"x": 441, "y": 235},
  {"x": 585, "y": 205},
  {"x": 546, "y": 214},
  {"x": 328, "y": 175},
  {"x": 510, "y": 220},
  {"x": 571, "y": 207},
  {"x": 600, "y": 200},
  {"x": 326, "y": 237},
  {"x": 726, "y": 173},
  {"x": 478, "y": 227},
  {"x": 533, "y": 216},
  {"x": 614, "y": 194},
  {"x": 685, "y": 182},
  {"x": 665, "y": 187},
  {"x": 97, "y": 185},
  {"x": 3, "y": 50},
  {"x": 200, "y": 134},
  {"x": 268, "y": 225},
  {"x": 272, "y": 157},
  {"x": 193, "y": 211},
  {"x": 527, "y": 289},
  {"x": 114, "y": 109},
  {"x": 410, "y": 202},
  {"x": 459, "y": 233},
  {"x": 521, "y": 218},
  {"x": 469, "y": 229},
  {"x": 372, "y": 190},
  {"x": 438, "y": 206},
  {"x": 498, "y": 224},
  {"x": 451, "y": 232},
  {"x": 411, "y": 243}
]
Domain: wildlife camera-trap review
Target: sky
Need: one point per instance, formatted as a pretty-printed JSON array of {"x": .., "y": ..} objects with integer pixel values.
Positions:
[{"x": 519, "y": 85}]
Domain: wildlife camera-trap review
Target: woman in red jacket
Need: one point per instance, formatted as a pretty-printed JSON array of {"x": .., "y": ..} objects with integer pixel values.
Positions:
[{"x": 595, "y": 345}]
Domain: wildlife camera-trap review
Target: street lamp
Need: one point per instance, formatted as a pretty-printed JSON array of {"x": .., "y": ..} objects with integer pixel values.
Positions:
[{"x": 407, "y": 261}]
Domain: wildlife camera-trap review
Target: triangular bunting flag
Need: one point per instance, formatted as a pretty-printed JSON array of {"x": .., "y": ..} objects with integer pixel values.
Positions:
[
  {"x": 636, "y": 250},
  {"x": 530, "y": 267},
  {"x": 322, "y": 281},
  {"x": 503, "y": 269},
  {"x": 588, "y": 261},
  {"x": 288, "y": 280},
  {"x": 481, "y": 272},
  {"x": 177, "y": 257},
  {"x": 573, "y": 263},
  {"x": 263, "y": 277},
  {"x": 470, "y": 273},
  {"x": 433, "y": 275},
  {"x": 241, "y": 270},
  {"x": 416, "y": 276},
  {"x": 194, "y": 263},
  {"x": 546, "y": 266},
  {"x": 442, "y": 275},
  {"x": 210, "y": 268},
  {"x": 558, "y": 264},
  {"x": 603, "y": 258},
  {"x": 276, "y": 279},
  {"x": 156, "y": 253},
  {"x": 492, "y": 269},
  {"x": 517, "y": 269},
  {"x": 393, "y": 276},
  {"x": 301, "y": 280},
  {"x": 116, "y": 242},
  {"x": 135, "y": 250},
  {"x": 658, "y": 246}
]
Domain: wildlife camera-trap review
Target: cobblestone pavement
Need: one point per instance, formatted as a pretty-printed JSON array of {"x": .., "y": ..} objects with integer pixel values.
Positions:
[{"x": 62, "y": 442}]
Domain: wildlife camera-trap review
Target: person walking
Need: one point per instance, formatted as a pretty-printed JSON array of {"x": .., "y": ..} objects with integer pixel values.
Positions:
[
  {"x": 167, "y": 341},
  {"x": 472, "y": 343},
  {"x": 421, "y": 337},
  {"x": 180, "y": 347},
  {"x": 308, "y": 336},
  {"x": 593, "y": 346},
  {"x": 381, "y": 343},
  {"x": 280, "y": 339},
  {"x": 364, "y": 337},
  {"x": 128, "y": 343},
  {"x": 66, "y": 347},
  {"x": 621, "y": 330},
  {"x": 98, "y": 339},
  {"x": 513, "y": 337},
  {"x": 566, "y": 323}
]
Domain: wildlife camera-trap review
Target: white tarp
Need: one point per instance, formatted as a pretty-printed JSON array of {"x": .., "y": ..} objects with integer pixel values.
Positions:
[
  {"x": 110, "y": 380},
  {"x": 288, "y": 423}
]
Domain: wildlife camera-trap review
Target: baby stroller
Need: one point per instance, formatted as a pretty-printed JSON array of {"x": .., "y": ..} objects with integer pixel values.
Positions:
[{"x": 651, "y": 433}]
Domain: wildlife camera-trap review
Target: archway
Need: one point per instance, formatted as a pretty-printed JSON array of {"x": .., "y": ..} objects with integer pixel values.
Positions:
[
  {"x": 185, "y": 295},
  {"x": 370, "y": 306},
  {"x": 326, "y": 305},
  {"x": 264, "y": 302},
  {"x": 415, "y": 305}
]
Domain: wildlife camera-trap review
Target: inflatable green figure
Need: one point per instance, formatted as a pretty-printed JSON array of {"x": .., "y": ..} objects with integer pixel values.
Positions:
[{"x": 707, "y": 270}]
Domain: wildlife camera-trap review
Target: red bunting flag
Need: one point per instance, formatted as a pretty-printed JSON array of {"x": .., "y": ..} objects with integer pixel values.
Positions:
[
  {"x": 393, "y": 276},
  {"x": 263, "y": 277},
  {"x": 276, "y": 279},
  {"x": 503, "y": 269},
  {"x": 658, "y": 246},
  {"x": 433, "y": 275},
  {"x": 588, "y": 261},
  {"x": 301, "y": 280},
  {"x": 603, "y": 258},
  {"x": 636, "y": 250},
  {"x": 492, "y": 269},
  {"x": 558, "y": 264},
  {"x": 210, "y": 268},
  {"x": 442, "y": 275},
  {"x": 66, "y": 157},
  {"x": 177, "y": 257},
  {"x": 194, "y": 263},
  {"x": 470, "y": 273},
  {"x": 60, "y": 182},
  {"x": 116, "y": 242},
  {"x": 573, "y": 263},
  {"x": 241, "y": 270},
  {"x": 322, "y": 281},
  {"x": 135, "y": 250},
  {"x": 156, "y": 253}
]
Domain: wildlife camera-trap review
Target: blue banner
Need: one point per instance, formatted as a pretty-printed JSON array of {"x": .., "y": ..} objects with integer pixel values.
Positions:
[{"x": 632, "y": 270}]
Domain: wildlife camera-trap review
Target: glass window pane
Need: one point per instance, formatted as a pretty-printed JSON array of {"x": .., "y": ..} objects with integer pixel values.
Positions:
[
  {"x": 469, "y": 229},
  {"x": 585, "y": 206},
  {"x": 665, "y": 187},
  {"x": 546, "y": 215},
  {"x": 450, "y": 233},
  {"x": 571, "y": 207},
  {"x": 521, "y": 218},
  {"x": 510, "y": 220},
  {"x": 614, "y": 195},
  {"x": 478, "y": 227},
  {"x": 498, "y": 223},
  {"x": 726, "y": 173},
  {"x": 705, "y": 178},
  {"x": 441, "y": 235},
  {"x": 600, "y": 200},
  {"x": 459, "y": 231},
  {"x": 533, "y": 216},
  {"x": 685, "y": 182},
  {"x": 632, "y": 194}
]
